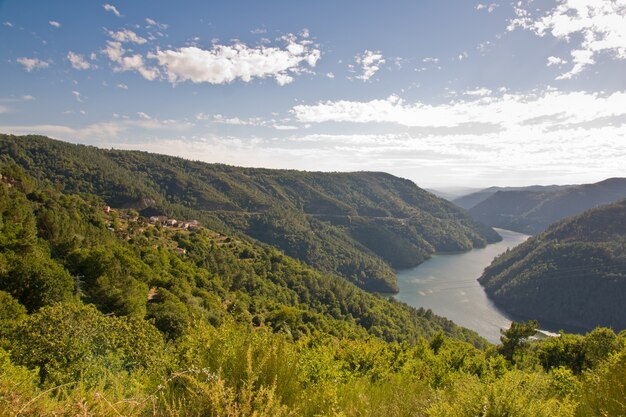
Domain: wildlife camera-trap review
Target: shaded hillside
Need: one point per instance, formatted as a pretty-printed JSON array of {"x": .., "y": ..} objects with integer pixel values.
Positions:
[
  {"x": 470, "y": 200},
  {"x": 573, "y": 274},
  {"x": 359, "y": 225},
  {"x": 531, "y": 211}
]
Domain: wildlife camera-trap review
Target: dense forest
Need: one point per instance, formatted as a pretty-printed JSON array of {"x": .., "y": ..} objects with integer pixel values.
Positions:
[
  {"x": 572, "y": 275},
  {"x": 357, "y": 225},
  {"x": 104, "y": 313},
  {"x": 531, "y": 211}
]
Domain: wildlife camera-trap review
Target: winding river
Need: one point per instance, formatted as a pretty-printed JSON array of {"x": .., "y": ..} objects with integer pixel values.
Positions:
[{"x": 447, "y": 284}]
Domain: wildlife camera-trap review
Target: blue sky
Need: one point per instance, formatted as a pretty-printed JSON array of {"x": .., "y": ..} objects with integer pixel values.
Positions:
[{"x": 446, "y": 93}]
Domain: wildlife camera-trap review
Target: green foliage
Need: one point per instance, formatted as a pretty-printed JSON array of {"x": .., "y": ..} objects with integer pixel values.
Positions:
[
  {"x": 516, "y": 337},
  {"x": 36, "y": 280},
  {"x": 604, "y": 389},
  {"x": 18, "y": 385},
  {"x": 10, "y": 308},
  {"x": 67, "y": 342},
  {"x": 517, "y": 394},
  {"x": 170, "y": 315},
  {"x": 579, "y": 353},
  {"x": 113, "y": 279}
]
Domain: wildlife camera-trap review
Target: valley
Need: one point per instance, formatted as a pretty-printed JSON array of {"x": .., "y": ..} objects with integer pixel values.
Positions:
[{"x": 312, "y": 209}]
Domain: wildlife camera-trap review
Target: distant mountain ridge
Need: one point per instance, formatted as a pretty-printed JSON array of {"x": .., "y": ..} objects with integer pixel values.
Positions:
[
  {"x": 358, "y": 225},
  {"x": 532, "y": 211},
  {"x": 470, "y": 200},
  {"x": 573, "y": 274}
]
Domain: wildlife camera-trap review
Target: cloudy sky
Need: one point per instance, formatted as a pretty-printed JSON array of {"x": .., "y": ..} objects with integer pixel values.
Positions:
[{"x": 446, "y": 93}]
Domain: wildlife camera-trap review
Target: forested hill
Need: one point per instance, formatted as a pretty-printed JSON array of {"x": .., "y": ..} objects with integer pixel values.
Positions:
[
  {"x": 64, "y": 248},
  {"x": 532, "y": 212},
  {"x": 574, "y": 274},
  {"x": 358, "y": 225}
]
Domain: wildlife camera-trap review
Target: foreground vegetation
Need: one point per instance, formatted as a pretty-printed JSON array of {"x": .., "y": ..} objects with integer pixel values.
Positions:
[
  {"x": 69, "y": 359},
  {"x": 571, "y": 275},
  {"x": 356, "y": 225}
]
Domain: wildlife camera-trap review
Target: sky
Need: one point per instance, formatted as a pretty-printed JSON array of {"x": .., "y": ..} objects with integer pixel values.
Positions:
[{"x": 446, "y": 93}]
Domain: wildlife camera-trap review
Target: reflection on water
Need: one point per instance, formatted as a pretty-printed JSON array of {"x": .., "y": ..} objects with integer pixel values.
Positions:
[{"x": 447, "y": 284}]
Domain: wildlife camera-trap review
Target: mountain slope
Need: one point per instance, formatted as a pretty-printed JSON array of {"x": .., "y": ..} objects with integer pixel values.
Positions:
[
  {"x": 532, "y": 211},
  {"x": 56, "y": 247},
  {"x": 359, "y": 225},
  {"x": 573, "y": 274},
  {"x": 470, "y": 200}
]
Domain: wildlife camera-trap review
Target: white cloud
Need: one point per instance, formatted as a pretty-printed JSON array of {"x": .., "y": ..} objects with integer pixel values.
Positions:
[
  {"x": 116, "y": 53},
  {"x": 478, "y": 92},
  {"x": 330, "y": 75},
  {"x": 152, "y": 22},
  {"x": 78, "y": 61},
  {"x": 32, "y": 63},
  {"x": 600, "y": 24},
  {"x": 581, "y": 58},
  {"x": 78, "y": 96},
  {"x": 489, "y": 7},
  {"x": 112, "y": 9},
  {"x": 507, "y": 111},
  {"x": 284, "y": 127},
  {"x": 8, "y": 24},
  {"x": 97, "y": 131},
  {"x": 554, "y": 60},
  {"x": 136, "y": 63},
  {"x": 54, "y": 23},
  {"x": 252, "y": 121},
  {"x": 125, "y": 35},
  {"x": 122, "y": 86},
  {"x": 25, "y": 97},
  {"x": 218, "y": 118},
  {"x": 258, "y": 31},
  {"x": 430, "y": 60},
  {"x": 224, "y": 64},
  {"x": 370, "y": 63}
]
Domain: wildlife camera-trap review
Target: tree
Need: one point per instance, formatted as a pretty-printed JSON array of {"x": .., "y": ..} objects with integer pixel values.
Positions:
[{"x": 516, "y": 337}]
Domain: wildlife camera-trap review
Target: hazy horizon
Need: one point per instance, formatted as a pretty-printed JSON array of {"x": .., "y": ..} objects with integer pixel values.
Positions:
[{"x": 462, "y": 94}]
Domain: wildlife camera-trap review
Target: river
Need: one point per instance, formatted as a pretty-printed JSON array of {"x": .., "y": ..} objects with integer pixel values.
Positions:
[{"x": 447, "y": 284}]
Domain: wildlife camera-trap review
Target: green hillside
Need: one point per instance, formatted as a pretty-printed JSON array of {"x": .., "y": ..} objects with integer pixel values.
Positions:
[
  {"x": 358, "y": 225},
  {"x": 573, "y": 274}
]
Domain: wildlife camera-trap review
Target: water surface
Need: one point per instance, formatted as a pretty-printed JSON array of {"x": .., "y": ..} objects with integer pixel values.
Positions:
[{"x": 447, "y": 284}]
